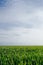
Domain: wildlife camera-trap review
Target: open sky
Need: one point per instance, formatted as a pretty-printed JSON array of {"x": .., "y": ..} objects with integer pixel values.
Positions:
[{"x": 21, "y": 22}]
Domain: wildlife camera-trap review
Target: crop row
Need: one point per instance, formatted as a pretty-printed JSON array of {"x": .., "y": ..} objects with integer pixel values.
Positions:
[{"x": 21, "y": 56}]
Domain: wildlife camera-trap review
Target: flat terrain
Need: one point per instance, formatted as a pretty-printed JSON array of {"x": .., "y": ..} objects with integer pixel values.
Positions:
[
  {"x": 21, "y": 55},
  {"x": 32, "y": 47}
]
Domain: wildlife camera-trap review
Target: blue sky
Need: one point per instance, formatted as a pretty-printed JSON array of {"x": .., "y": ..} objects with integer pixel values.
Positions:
[{"x": 21, "y": 22}]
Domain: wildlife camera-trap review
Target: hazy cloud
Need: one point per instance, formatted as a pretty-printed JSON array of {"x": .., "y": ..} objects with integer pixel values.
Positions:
[{"x": 21, "y": 22}]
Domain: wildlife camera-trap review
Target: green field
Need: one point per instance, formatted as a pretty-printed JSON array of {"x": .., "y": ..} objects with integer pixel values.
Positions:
[{"x": 21, "y": 55}]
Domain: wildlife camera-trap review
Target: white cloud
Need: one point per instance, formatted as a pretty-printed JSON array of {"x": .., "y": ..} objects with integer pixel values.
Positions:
[
  {"x": 22, "y": 36},
  {"x": 24, "y": 14}
]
